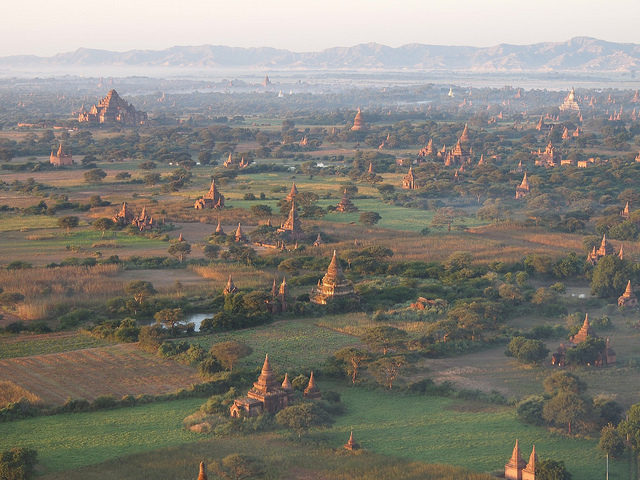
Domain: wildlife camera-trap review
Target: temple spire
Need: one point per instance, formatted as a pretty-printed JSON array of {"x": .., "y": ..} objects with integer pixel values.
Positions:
[{"x": 203, "y": 472}]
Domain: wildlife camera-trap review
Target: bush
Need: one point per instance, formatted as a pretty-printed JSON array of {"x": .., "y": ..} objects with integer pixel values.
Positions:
[
  {"x": 529, "y": 410},
  {"x": 527, "y": 350},
  {"x": 17, "y": 463}
]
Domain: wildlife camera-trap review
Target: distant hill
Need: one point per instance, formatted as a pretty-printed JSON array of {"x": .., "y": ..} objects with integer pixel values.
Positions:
[{"x": 580, "y": 54}]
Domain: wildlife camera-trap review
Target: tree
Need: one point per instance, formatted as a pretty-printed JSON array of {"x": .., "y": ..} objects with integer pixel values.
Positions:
[
  {"x": 17, "y": 463},
  {"x": 303, "y": 416},
  {"x": 238, "y": 467},
  {"x": 610, "y": 276},
  {"x": 151, "y": 179},
  {"x": 148, "y": 165},
  {"x": 387, "y": 369},
  {"x": 229, "y": 352},
  {"x": 527, "y": 350},
  {"x": 95, "y": 175},
  {"x": 211, "y": 251},
  {"x": 170, "y": 317},
  {"x": 384, "y": 338},
  {"x": 631, "y": 426},
  {"x": 140, "y": 290},
  {"x": 611, "y": 442},
  {"x": 551, "y": 470},
  {"x": 563, "y": 382},
  {"x": 353, "y": 359},
  {"x": 565, "y": 408},
  {"x": 103, "y": 224},
  {"x": 369, "y": 218},
  {"x": 10, "y": 298},
  {"x": 68, "y": 222},
  {"x": 261, "y": 210},
  {"x": 209, "y": 366},
  {"x": 529, "y": 410},
  {"x": 180, "y": 250}
]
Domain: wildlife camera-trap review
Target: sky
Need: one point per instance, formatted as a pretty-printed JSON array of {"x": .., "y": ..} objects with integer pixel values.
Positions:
[{"x": 47, "y": 27}]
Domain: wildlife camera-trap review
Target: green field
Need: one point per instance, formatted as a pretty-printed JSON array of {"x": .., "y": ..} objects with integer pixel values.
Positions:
[
  {"x": 434, "y": 430},
  {"x": 23, "y": 223},
  {"x": 291, "y": 344},
  {"x": 25, "y": 345},
  {"x": 73, "y": 440}
]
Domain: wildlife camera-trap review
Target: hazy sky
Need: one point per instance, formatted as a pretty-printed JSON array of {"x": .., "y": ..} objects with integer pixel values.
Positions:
[{"x": 45, "y": 27}]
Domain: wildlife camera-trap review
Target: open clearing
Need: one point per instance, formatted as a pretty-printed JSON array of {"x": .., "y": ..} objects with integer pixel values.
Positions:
[
  {"x": 114, "y": 370},
  {"x": 26, "y": 345}
]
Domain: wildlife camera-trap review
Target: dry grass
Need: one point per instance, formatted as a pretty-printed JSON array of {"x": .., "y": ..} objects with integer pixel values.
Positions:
[
  {"x": 45, "y": 287},
  {"x": 10, "y": 392},
  {"x": 243, "y": 276},
  {"x": 114, "y": 370}
]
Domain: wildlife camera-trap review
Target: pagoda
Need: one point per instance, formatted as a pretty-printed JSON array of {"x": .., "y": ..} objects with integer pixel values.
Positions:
[
  {"x": 239, "y": 235},
  {"x": 605, "y": 249},
  {"x": 318, "y": 241},
  {"x": 292, "y": 225},
  {"x": 351, "y": 443},
  {"x": 570, "y": 104},
  {"x": 144, "y": 221},
  {"x": 230, "y": 287},
  {"x": 212, "y": 199},
  {"x": 111, "y": 110},
  {"x": 267, "y": 395},
  {"x": 202, "y": 475},
  {"x": 625, "y": 211},
  {"x": 219, "y": 231},
  {"x": 584, "y": 332},
  {"x": 548, "y": 158},
  {"x": 358, "y": 122},
  {"x": 529, "y": 472},
  {"x": 409, "y": 182},
  {"x": 292, "y": 193},
  {"x": 345, "y": 204},
  {"x": 333, "y": 284},
  {"x": 60, "y": 158},
  {"x": 125, "y": 216},
  {"x": 628, "y": 298},
  {"x": 515, "y": 465},
  {"x": 523, "y": 189},
  {"x": 312, "y": 390}
]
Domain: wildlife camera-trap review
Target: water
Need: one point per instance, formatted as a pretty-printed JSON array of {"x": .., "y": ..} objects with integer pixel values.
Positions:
[{"x": 197, "y": 319}]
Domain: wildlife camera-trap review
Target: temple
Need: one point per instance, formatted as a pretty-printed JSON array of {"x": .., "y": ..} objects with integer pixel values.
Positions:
[
  {"x": 409, "y": 181},
  {"x": 232, "y": 161},
  {"x": 239, "y": 235},
  {"x": 112, "y": 109},
  {"x": 607, "y": 356},
  {"x": 351, "y": 443},
  {"x": 230, "y": 287},
  {"x": 584, "y": 332},
  {"x": 278, "y": 301},
  {"x": 570, "y": 104},
  {"x": 345, "y": 204},
  {"x": 333, "y": 284},
  {"x": 265, "y": 396},
  {"x": 312, "y": 392},
  {"x": 625, "y": 213},
  {"x": 358, "y": 122},
  {"x": 548, "y": 158},
  {"x": 124, "y": 216},
  {"x": 202, "y": 474},
  {"x": 628, "y": 298},
  {"x": 523, "y": 189},
  {"x": 60, "y": 158},
  {"x": 514, "y": 467},
  {"x": 605, "y": 249},
  {"x": 293, "y": 193},
  {"x": 144, "y": 221},
  {"x": 292, "y": 224},
  {"x": 212, "y": 199}
]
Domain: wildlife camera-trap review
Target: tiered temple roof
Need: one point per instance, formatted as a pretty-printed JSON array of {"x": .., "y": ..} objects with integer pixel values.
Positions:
[
  {"x": 239, "y": 235},
  {"x": 60, "y": 158},
  {"x": 351, "y": 443},
  {"x": 628, "y": 298},
  {"x": 605, "y": 249},
  {"x": 345, "y": 204},
  {"x": 292, "y": 225},
  {"x": 113, "y": 109},
  {"x": 212, "y": 199},
  {"x": 292, "y": 193},
  {"x": 515, "y": 465},
  {"x": 584, "y": 332},
  {"x": 409, "y": 181},
  {"x": 312, "y": 390},
  {"x": 333, "y": 284},
  {"x": 570, "y": 104},
  {"x": 523, "y": 189},
  {"x": 358, "y": 122}
]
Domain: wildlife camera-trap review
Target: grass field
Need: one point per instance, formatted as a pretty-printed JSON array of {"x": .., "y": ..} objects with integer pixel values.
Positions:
[
  {"x": 68, "y": 441},
  {"x": 27, "y": 345},
  {"x": 291, "y": 344},
  {"x": 114, "y": 370},
  {"x": 426, "y": 429}
]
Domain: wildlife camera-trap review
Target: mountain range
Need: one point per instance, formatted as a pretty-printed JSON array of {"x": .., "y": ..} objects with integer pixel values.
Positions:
[{"x": 580, "y": 54}]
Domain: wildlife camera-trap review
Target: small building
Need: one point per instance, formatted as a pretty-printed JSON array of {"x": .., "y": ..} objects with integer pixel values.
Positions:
[
  {"x": 517, "y": 469},
  {"x": 628, "y": 298},
  {"x": 351, "y": 443},
  {"x": 346, "y": 205},
  {"x": 212, "y": 199},
  {"x": 292, "y": 225},
  {"x": 333, "y": 285},
  {"x": 239, "y": 236},
  {"x": 312, "y": 392},
  {"x": 409, "y": 181},
  {"x": 265, "y": 396},
  {"x": 60, "y": 158},
  {"x": 523, "y": 189},
  {"x": 358, "y": 122},
  {"x": 605, "y": 249}
]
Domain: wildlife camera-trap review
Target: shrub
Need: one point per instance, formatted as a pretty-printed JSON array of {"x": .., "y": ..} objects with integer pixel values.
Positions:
[{"x": 17, "y": 463}]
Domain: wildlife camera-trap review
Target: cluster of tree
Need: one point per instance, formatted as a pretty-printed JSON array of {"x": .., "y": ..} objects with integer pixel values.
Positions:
[{"x": 17, "y": 464}]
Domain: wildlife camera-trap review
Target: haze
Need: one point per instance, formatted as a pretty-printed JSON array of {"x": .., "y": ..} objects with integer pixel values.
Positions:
[{"x": 46, "y": 27}]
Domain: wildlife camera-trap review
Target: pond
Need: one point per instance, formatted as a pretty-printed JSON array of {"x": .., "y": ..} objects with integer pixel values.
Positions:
[{"x": 197, "y": 318}]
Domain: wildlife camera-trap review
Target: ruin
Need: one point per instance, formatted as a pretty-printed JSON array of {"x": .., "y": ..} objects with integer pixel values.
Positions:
[
  {"x": 605, "y": 249},
  {"x": 265, "y": 396},
  {"x": 124, "y": 216},
  {"x": 212, "y": 199},
  {"x": 409, "y": 181},
  {"x": 547, "y": 158},
  {"x": 112, "y": 109},
  {"x": 351, "y": 443},
  {"x": 333, "y": 284},
  {"x": 60, "y": 158},
  {"x": 358, "y": 122},
  {"x": 346, "y": 205},
  {"x": 522, "y": 190},
  {"x": 628, "y": 298}
]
